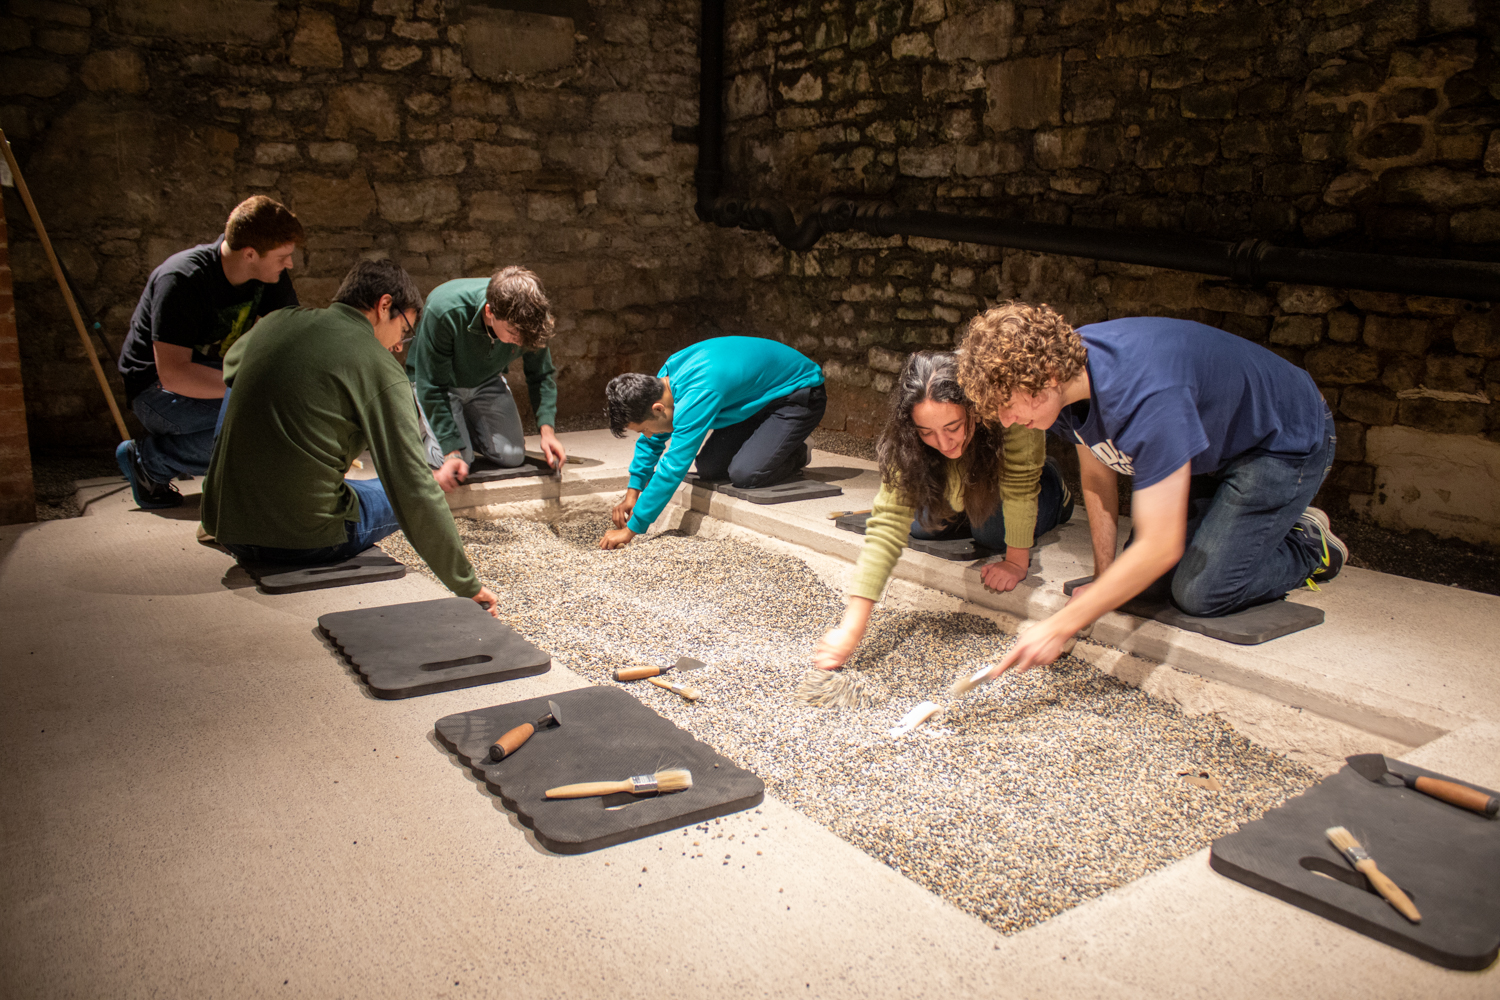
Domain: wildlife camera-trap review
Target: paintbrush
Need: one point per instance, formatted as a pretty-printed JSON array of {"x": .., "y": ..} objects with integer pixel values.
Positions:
[
  {"x": 662, "y": 781},
  {"x": 964, "y": 685},
  {"x": 834, "y": 515},
  {"x": 681, "y": 690},
  {"x": 1362, "y": 862}
]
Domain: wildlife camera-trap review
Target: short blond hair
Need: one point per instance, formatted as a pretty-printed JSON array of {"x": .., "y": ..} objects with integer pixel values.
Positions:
[{"x": 1017, "y": 346}]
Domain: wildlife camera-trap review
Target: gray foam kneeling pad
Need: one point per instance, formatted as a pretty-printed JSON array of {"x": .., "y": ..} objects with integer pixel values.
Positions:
[
  {"x": 1250, "y": 627},
  {"x": 484, "y": 471},
  {"x": 404, "y": 650},
  {"x": 792, "y": 489},
  {"x": 606, "y": 735},
  {"x": 1445, "y": 858},
  {"x": 370, "y": 566},
  {"x": 953, "y": 549}
]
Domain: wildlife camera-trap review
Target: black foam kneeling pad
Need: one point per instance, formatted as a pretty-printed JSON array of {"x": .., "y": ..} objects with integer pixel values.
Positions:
[
  {"x": 953, "y": 549},
  {"x": 1250, "y": 627},
  {"x": 482, "y": 470},
  {"x": 1445, "y": 858},
  {"x": 792, "y": 489},
  {"x": 606, "y": 735},
  {"x": 403, "y": 650},
  {"x": 370, "y": 566}
]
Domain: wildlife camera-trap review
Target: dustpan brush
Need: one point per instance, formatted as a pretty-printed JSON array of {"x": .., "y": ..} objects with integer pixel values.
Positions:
[{"x": 842, "y": 688}]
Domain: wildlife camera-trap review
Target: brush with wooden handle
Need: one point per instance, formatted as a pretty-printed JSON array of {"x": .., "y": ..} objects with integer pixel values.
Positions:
[
  {"x": 834, "y": 515},
  {"x": 680, "y": 690},
  {"x": 1363, "y": 863},
  {"x": 662, "y": 781}
]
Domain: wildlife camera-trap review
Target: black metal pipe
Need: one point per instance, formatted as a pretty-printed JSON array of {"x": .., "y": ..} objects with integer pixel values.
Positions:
[{"x": 1250, "y": 261}]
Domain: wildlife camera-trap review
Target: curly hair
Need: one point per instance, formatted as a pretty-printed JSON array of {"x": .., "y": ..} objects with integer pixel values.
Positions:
[
  {"x": 515, "y": 295},
  {"x": 1016, "y": 346},
  {"x": 918, "y": 471}
]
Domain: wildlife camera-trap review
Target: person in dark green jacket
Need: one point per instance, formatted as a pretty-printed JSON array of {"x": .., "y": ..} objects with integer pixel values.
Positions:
[
  {"x": 311, "y": 389},
  {"x": 472, "y": 330}
]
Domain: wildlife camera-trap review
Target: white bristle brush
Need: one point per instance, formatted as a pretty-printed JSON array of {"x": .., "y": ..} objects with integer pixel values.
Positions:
[{"x": 662, "y": 781}]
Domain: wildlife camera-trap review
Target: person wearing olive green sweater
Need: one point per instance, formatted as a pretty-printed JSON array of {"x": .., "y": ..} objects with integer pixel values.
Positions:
[
  {"x": 471, "y": 331},
  {"x": 944, "y": 475},
  {"x": 311, "y": 389}
]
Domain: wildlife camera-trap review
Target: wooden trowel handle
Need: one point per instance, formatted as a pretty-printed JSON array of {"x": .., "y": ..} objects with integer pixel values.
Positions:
[
  {"x": 586, "y": 789},
  {"x": 1458, "y": 795},
  {"x": 636, "y": 673},
  {"x": 511, "y": 741}
]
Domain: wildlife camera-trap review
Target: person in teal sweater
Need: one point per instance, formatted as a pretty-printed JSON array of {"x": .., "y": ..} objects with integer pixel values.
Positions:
[
  {"x": 946, "y": 474},
  {"x": 312, "y": 388},
  {"x": 471, "y": 331},
  {"x": 760, "y": 399}
]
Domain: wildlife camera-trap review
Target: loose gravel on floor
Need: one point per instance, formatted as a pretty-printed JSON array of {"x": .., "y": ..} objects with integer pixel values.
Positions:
[{"x": 1023, "y": 799}]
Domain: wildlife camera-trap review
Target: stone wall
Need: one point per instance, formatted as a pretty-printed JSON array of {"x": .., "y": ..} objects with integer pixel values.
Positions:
[
  {"x": 455, "y": 137},
  {"x": 17, "y": 496},
  {"x": 1359, "y": 124}
]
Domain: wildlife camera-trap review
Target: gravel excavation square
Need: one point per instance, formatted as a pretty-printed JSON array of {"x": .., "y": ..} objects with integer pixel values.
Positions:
[{"x": 1025, "y": 798}]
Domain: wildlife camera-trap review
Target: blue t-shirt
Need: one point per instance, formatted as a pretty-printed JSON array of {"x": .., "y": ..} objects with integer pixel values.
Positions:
[
  {"x": 715, "y": 383},
  {"x": 1168, "y": 392}
]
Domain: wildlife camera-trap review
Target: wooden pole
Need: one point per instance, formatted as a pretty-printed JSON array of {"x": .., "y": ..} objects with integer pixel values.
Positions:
[{"x": 88, "y": 345}]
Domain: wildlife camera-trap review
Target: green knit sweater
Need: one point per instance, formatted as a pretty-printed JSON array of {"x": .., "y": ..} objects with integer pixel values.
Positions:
[
  {"x": 311, "y": 389},
  {"x": 889, "y": 528}
]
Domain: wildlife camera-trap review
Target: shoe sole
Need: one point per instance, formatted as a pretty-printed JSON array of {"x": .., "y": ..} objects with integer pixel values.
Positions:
[
  {"x": 125, "y": 458},
  {"x": 1320, "y": 518}
]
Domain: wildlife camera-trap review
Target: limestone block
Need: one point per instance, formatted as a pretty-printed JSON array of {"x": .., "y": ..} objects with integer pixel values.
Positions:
[
  {"x": 1175, "y": 77},
  {"x": 210, "y": 21},
  {"x": 807, "y": 88},
  {"x": 333, "y": 153},
  {"x": 1342, "y": 365},
  {"x": 1076, "y": 11},
  {"x": 983, "y": 35},
  {"x": 986, "y": 159},
  {"x": 1450, "y": 15},
  {"x": 471, "y": 97},
  {"x": 935, "y": 162},
  {"x": 417, "y": 201},
  {"x": 1245, "y": 138},
  {"x": 32, "y": 77},
  {"x": 1442, "y": 416},
  {"x": 48, "y": 10},
  {"x": 1480, "y": 226},
  {"x": 449, "y": 63},
  {"x": 417, "y": 31},
  {"x": 1344, "y": 327},
  {"x": 424, "y": 103},
  {"x": 1208, "y": 102},
  {"x": 116, "y": 69},
  {"x": 392, "y": 8},
  {"x": 331, "y": 202},
  {"x": 916, "y": 45},
  {"x": 1478, "y": 333},
  {"x": 468, "y": 129},
  {"x": 444, "y": 159},
  {"x": 747, "y": 97},
  {"x": 1060, "y": 149},
  {"x": 394, "y": 58},
  {"x": 505, "y": 159},
  {"x": 1312, "y": 300},
  {"x": 622, "y": 109},
  {"x": 1175, "y": 146},
  {"x": 316, "y": 43},
  {"x": 1297, "y": 331},
  {"x": 551, "y": 206},
  {"x": 363, "y": 107},
  {"x": 1391, "y": 333},
  {"x": 63, "y": 41},
  {"x": 499, "y": 44},
  {"x": 299, "y": 99},
  {"x": 653, "y": 154},
  {"x": 1401, "y": 374},
  {"x": 1492, "y": 154},
  {"x": 886, "y": 361},
  {"x": 1350, "y": 446},
  {"x": 1024, "y": 93},
  {"x": 559, "y": 110},
  {"x": 270, "y": 153},
  {"x": 1447, "y": 373},
  {"x": 587, "y": 156}
]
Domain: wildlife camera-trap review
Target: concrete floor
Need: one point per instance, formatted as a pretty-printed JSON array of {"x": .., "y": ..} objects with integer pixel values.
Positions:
[{"x": 200, "y": 799}]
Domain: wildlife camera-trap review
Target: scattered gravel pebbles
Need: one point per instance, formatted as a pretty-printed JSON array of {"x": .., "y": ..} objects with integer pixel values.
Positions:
[{"x": 1023, "y": 799}]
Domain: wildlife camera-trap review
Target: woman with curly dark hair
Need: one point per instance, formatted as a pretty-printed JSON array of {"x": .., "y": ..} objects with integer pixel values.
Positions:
[{"x": 945, "y": 474}]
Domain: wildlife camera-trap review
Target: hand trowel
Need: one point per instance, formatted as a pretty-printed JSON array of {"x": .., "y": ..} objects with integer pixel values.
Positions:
[
  {"x": 683, "y": 664},
  {"x": 511, "y": 741},
  {"x": 1375, "y": 767}
]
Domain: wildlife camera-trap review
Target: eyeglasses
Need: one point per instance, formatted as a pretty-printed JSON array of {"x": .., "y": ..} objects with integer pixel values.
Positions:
[{"x": 406, "y": 329}]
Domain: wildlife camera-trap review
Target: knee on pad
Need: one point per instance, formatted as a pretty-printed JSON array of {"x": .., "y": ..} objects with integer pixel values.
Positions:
[{"x": 1196, "y": 601}]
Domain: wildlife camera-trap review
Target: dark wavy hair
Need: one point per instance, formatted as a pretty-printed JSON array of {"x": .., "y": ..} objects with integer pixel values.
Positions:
[{"x": 917, "y": 471}]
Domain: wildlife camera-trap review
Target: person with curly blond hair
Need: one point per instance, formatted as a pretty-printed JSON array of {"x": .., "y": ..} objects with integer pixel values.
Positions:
[{"x": 1225, "y": 442}]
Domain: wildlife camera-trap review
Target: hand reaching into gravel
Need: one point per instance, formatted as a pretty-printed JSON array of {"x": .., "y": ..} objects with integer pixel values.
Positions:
[
  {"x": 839, "y": 644},
  {"x": 622, "y": 510},
  {"x": 617, "y": 539}
]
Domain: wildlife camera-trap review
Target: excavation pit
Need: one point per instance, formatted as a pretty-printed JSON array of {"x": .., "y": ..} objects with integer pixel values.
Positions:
[{"x": 1022, "y": 800}]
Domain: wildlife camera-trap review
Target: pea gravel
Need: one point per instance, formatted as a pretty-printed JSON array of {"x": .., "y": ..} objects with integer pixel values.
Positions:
[{"x": 1023, "y": 799}]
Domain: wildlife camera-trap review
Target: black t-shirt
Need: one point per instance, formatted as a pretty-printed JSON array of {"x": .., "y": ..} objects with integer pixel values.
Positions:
[{"x": 189, "y": 302}]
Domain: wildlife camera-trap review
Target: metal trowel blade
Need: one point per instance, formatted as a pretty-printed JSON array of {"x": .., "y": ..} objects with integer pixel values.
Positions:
[
  {"x": 1372, "y": 766},
  {"x": 688, "y": 663},
  {"x": 556, "y": 713}
]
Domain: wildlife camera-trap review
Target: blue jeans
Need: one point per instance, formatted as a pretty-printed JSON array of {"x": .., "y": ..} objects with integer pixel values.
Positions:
[
  {"x": 1241, "y": 549},
  {"x": 180, "y": 432},
  {"x": 376, "y": 521},
  {"x": 1053, "y": 507}
]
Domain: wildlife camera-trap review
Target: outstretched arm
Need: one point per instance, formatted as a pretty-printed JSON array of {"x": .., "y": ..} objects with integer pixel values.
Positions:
[{"x": 1159, "y": 513}]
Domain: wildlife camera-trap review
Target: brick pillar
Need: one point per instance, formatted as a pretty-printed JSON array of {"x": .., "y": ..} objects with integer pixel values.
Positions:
[{"x": 17, "y": 493}]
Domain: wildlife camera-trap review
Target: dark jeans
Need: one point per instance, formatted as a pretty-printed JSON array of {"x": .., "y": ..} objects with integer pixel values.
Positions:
[
  {"x": 767, "y": 448},
  {"x": 1054, "y": 506},
  {"x": 1241, "y": 549},
  {"x": 376, "y": 521},
  {"x": 180, "y": 432}
]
